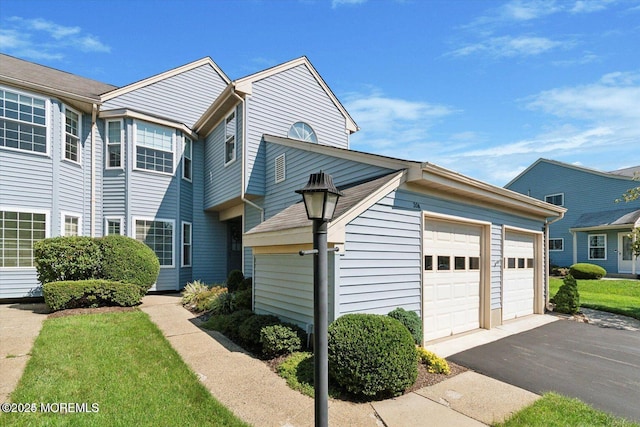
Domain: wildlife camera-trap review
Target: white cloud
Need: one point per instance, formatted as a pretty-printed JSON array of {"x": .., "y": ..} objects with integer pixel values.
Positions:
[
  {"x": 336, "y": 3},
  {"x": 508, "y": 46}
]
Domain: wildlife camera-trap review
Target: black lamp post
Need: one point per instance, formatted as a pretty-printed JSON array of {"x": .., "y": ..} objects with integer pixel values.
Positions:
[{"x": 320, "y": 200}]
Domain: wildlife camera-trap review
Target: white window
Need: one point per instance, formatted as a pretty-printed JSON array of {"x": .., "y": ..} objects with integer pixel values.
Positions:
[
  {"x": 556, "y": 244},
  {"x": 71, "y": 135},
  {"x": 154, "y": 148},
  {"x": 18, "y": 232},
  {"x": 71, "y": 224},
  {"x": 23, "y": 122},
  {"x": 113, "y": 226},
  {"x": 230, "y": 138},
  {"x": 158, "y": 235},
  {"x": 555, "y": 199},
  {"x": 186, "y": 159},
  {"x": 114, "y": 139},
  {"x": 186, "y": 244},
  {"x": 303, "y": 132},
  {"x": 597, "y": 246},
  {"x": 280, "y": 168}
]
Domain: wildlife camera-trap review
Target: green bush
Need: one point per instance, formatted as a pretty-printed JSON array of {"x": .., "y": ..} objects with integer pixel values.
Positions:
[
  {"x": 209, "y": 298},
  {"x": 247, "y": 283},
  {"x": 242, "y": 299},
  {"x": 410, "y": 320},
  {"x": 191, "y": 292},
  {"x": 587, "y": 271},
  {"x": 249, "y": 331},
  {"x": 224, "y": 304},
  {"x": 234, "y": 280},
  {"x": 434, "y": 363},
  {"x": 567, "y": 299},
  {"x": 90, "y": 293},
  {"x": 236, "y": 320},
  {"x": 371, "y": 355},
  {"x": 127, "y": 260},
  {"x": 67, "y": 258},
  {"x": 281, "y": 339},
  {"x": 297, "y": 370}
]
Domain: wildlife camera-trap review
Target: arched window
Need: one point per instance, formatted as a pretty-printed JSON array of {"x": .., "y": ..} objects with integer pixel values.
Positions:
[{"x": 303, "y": 132}]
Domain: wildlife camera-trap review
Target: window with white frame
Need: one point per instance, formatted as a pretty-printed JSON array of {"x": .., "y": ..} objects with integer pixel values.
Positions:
[
  {"x": 186, "y": 159},
  {"x": 114, "y": 144},
  {"x": 556, "y": 244},
  {"x": 113, "y": 226},
  {"x": 303, "y": 132},
  {"x": 555, "y": 199},
  {"x": 154, "y": 148},
  {"x": 230, "y": 138},
  {"x": 71, "y": 224},
  {"x": 18, "y": 232},
  {"x": 158, "y": 235},
  {"x": 186, "y": 244},
  {"x": 71, "y": 135},
  {"x": 23, "y": 122},
  {"x": 597, "y": 246}
]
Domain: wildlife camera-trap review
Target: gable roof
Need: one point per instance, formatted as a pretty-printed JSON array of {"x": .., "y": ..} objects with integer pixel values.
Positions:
[
  {"x": 625, "y": 174},
  {"x": 244, "y": 85},
  {"x": 50, "y": 81},
  {"x": 609, "y": 219}
]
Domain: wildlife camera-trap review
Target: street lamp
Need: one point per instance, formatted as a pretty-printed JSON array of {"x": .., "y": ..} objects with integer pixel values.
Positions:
[{"x": 320, "y": 199}]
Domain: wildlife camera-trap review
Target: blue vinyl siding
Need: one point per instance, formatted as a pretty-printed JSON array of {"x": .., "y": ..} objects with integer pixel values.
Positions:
[
  {"x": 252, "y": 217},
  {"x": 184, "y": 97},
  {"x": 279, "y": 101}
]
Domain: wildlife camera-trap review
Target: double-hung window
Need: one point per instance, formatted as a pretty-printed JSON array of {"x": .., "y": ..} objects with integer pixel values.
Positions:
[
  {"x": 114, "y": 144},
  {"x": 154, "y": 148},
  {"x": 186, "y": 244},
  {"x": 71, "y": 224},
  {"x": 71, "y": 135},
  {"x": 597, "y": 246},
  {"x": 186, "y": 159},
  {"x": 556, "y": 244},
  {"x": 158, "y": 235},
  {"x": 23, "y": 122},
  {"x": 555, "y": 199},
  {"x": 113, "y": 226},
  {"x": 18, "y": 232},
  {"x": 230, "y": 138}
]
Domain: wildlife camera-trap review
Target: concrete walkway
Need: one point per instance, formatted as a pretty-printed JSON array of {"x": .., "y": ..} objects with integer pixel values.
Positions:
[{"x": 255, "y": 394}]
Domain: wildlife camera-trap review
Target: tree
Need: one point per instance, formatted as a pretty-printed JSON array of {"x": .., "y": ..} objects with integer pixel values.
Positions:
[{"x": 629, "y": 196}]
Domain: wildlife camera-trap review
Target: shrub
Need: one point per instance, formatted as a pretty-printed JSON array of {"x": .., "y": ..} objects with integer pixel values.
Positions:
[
  {"x": 297, "y": 370},
  {"x": 249, "y": 331},
  {"x": 242, "y": 299},
  {"x": 90, "y": 293},
  {"x": 247, "y": 283},
  {"x": 281, "y": 339},
  {"x": 410, "y": 320},
  {"x": 234, "y": 280},
  {"x": 208, "y": 299},
  {"x": 191, "y": 292},
  {"x": 584, "y": 270},
  {"x": 434, "y": 363},
  {"x": 128, "y": 260},
  {"x": 236, "y": 319},
  {"x": 567, "y": 299},
  {"x": 224, "y": 304},
  {"x": 67, "y": 258},
  {"x": 371, "y": 355}
]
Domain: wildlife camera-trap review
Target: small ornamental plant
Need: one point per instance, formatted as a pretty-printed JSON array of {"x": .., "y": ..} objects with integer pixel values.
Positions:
[{"x": 567, "y": 299}]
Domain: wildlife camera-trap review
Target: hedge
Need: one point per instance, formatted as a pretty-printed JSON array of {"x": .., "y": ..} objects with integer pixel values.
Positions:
[
  {"x": 583, "y": 270},
  {"x": 67, "y": 258},
  {"x": 127, "y": 260},
  {"x": 90, "y": 293}
]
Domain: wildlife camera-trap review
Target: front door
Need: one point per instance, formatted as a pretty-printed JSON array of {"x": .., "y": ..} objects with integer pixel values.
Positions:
[
  {"x": 234, "y": 244},
  {"x": 625, "y": 255}
]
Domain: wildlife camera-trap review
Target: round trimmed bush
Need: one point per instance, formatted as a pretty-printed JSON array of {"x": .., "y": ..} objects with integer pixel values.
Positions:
[
  {"x": 281, "y": 339},
  {"x": 234, "y": 280},
  {"x": 127, "y": 260},
  {"x": 372, "y": 355},
  {"x": 410, "y": 320},
  {"x": 249, "y": 331},
  {"x": 583, "y": 270}
]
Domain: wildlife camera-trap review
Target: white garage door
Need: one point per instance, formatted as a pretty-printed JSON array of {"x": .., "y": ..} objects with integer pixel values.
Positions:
[
  {"x": 518, "y": 290},
  {"x": 451, "y": 278}
]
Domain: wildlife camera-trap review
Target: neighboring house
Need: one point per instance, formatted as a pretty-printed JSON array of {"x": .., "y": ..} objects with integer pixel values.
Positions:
[
  {"x": 595, "y": 229},
  {"x": 204, "y": 171}
]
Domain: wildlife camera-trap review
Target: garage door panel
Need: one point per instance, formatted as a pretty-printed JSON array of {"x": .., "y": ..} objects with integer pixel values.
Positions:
[{"x": 519, "y": 275}]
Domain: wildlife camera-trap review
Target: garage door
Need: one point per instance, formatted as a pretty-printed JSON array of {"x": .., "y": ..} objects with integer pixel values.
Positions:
[
  {"x": 451, "y": 278},
  {"x": 518, "y": 290}
]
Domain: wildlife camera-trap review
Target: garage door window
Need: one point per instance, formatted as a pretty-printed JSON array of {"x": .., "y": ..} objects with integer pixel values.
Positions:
[
  {"x": 474, "y": 263},
  {"x": 444, "y": 262},
  {"x": 459, "y": 263},
  {"x": 519, "y": 263}
]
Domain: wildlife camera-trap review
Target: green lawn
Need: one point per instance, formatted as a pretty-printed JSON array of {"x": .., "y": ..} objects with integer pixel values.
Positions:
[
  {"x": 614, "y": 296},
  {"x": 122, "y": 363},
  {"x": 556, "y": 410}
]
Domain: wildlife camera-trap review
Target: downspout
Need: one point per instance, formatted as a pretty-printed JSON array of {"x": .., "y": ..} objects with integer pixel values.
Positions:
[
  {"x": 94, "y": 114},
  {"x": 547, "y": 223}
]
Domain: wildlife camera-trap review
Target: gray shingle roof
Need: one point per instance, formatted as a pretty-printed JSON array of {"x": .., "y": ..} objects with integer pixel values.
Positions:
[
  {"x": 608, "y": 218},
  {"x": 295, "y": 216},
  {"x": 632, "y": 171},
  {"x": 18, "y": 70}
]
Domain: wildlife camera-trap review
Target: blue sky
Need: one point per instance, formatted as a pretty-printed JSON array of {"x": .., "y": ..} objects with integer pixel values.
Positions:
[{"x": 481, "y": 87}]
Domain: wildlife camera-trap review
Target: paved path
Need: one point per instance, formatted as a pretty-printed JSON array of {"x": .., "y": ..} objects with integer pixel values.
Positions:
[{"x": 600, "y": 366}]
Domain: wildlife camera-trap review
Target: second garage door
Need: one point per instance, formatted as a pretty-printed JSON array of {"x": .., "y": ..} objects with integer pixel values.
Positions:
[
  {"x": 519, "y": 275},
  {"x": 451, "y": 278}
]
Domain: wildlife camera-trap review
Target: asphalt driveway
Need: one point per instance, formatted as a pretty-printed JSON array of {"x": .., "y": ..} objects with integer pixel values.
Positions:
[{"x": 597, "y": 365}]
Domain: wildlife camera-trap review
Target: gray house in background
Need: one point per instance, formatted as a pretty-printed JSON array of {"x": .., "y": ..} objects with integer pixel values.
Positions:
[{"x": 203, "y": 169}]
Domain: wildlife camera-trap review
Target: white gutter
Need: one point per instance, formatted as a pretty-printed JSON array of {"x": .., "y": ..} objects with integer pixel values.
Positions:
[
  {"x": 244, "y": 161},
  {"x": 94, "y": 113}
]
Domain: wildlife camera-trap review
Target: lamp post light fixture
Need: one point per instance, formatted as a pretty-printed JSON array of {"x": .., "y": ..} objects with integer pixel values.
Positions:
[{"x": 320, "y": 199}]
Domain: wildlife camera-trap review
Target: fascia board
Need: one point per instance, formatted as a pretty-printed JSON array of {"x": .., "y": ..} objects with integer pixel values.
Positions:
[
  {"x": 293, "y": 236},
  {"x": 42, "y": 89},
  {"x": 125, "y": 112},
  {"x": 217, "y": 111}
]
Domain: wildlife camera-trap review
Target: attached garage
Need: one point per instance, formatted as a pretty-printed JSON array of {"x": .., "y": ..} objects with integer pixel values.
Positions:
[
  {"x": 520, "y": 269},
  {"x": 452, "y": 278}
]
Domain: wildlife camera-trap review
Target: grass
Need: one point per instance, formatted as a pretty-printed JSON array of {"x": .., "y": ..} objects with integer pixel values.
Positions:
[
  {"x": 122, "y": 363},
  {"x": 614, "y": 296},
  {"x": 556, "y": 410}
]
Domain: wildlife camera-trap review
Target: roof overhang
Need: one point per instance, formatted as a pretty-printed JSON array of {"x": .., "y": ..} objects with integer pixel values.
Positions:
[
  {"x": 217, "y": 111},
  {"x": 133, "y": 114},
  {"x": 80, "y": 102},
  {"x": 611, "y": 220}
]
